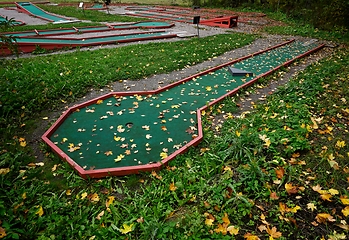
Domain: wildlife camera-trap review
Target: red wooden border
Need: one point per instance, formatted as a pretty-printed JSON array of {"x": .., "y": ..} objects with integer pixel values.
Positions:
[{"x": 120, "y": 171}]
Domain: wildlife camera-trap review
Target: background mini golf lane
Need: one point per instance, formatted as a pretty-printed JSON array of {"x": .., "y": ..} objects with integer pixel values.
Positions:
[
  {"x": 134, "y": 130},
  {"x": 39, "y": 12},
  {"x": 99, "y": 40},
  {"x": 92, "y": 29}
]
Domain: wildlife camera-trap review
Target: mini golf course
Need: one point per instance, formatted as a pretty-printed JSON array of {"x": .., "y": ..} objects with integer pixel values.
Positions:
[
  {"x": 28, "y": 41},
  {"x": 181, "y": 15},
  {"x": 127, "y": 132},
  {"x": 32, "y": 9}
]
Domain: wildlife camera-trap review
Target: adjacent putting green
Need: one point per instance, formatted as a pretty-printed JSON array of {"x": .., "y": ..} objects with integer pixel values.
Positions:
[{"x": 123, "y": 133}]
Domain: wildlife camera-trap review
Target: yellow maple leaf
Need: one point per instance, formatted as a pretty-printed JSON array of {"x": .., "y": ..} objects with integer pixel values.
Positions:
[
  {"x": 333, "y": 191},
  {"x": 345, "y": 211},
  {"x": 2, "y": 232},
  {"x": 221, "y": 229},
  {"x": 225, "y": 219},
  {"x": 290, "y": 189},
  {"x": 23, "y": 143},
  {"x": 99, "y": 101},
  {"x": 237, "y": 133},
  {"x": 326, "y": 197},
  {"x": 40, "y": 211},
  {"x": 126, "y": 228},
  {"x": 340, "y": 144},
  {"x": 295, "y": 209},
  {"x": 344, "y": 200},
  {"x": 117, "y": 138},
  {"x": 311, "y": 206},
  {"x": 84, "y": 195},
  {"x": 68, "y": 192},
  {"x": 163, "y": 155},
  {"x": 249, "y": 236},
  {"x": 233, "y": 230},
  {"x": 208, "y": 88},
  {"x": 173, "y": 187},
  {"x": 323, "y": 217},
  {"x": 94, "y": 197},
  {"x": 209, "y": 222},
  {"x": 109, "y": 201},
  {"x": 119, "y": 158}
]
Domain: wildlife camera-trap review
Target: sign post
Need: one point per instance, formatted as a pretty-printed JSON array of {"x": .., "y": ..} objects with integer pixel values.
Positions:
[
  {"x": 107, "y": 3},
  {"x": 196, "y": 21},
  {"x": 81, "y": 5}
]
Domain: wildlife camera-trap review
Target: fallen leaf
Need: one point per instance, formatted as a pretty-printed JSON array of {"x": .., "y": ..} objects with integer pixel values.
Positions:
[
  {"x": 173, "y": 187},
  {"x": 280, "y": 171},
  {"x": 344, "y": 200},
  {"x": 273, "y": 232},
  {"x": 108, "y": 153},
  {"x": 337, "y": 236},
  {"x": 40, "y": 211},
  {"x": 333, "y": 191},
  {"x": 311, "y": 206},
  {"x": 220, "y": 229},
  {"x": 126, "y": 228},
  {"x": 84, "y": 195},
  {"x": 345, "y": 211},
  {"x": 324, "y": 217},
  {"x": 119, "y": 158},
  {"x": 163, "y": 155},
  {"x": 233, "y": 230},
  {"x": 225, "y": 219},
  {"x": 326, "y": 197},
  {"x": 290, "y": 189},
  {"x": 2, "y": 233},
  {"x": 4, "y": 171},
  {"x": 209, "y": 222},
  {"x": 154, "y": 174},
  {"x": 274, "y": 196},
  {"x": 93, "y": 197},
  {"x": 148, "y": 136},
  {"x": 249, "y": 236},
  {"x": 109, "y": 201},
  {"x": 262, "y": 227},
  {"x": 100, "y": 215}
]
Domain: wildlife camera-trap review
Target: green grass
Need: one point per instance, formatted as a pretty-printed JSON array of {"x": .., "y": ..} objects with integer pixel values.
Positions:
[
  {"x": 91, "y": 15},
  {"x": 143, "y": 2},
  {"x": 255, "y": 173},
  {"x": 69, "y": 76},
  {"x": 300, "y": 28}
]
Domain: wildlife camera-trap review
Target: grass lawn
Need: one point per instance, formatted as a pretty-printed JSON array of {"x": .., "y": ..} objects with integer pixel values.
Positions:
[{"x": 278, "y": 172}]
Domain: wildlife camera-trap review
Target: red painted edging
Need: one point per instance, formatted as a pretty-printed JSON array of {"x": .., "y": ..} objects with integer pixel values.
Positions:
[{"x": 156, "y": 166}]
